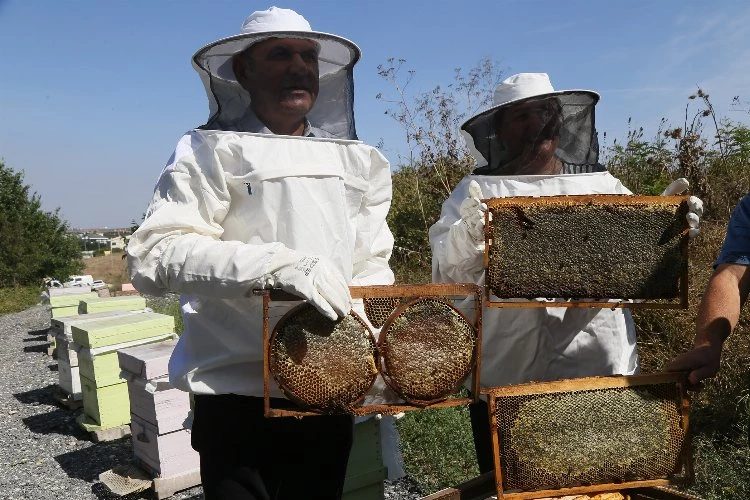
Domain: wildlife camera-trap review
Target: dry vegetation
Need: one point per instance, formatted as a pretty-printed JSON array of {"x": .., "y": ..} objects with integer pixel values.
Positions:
[{"x": 112, "y": 269}]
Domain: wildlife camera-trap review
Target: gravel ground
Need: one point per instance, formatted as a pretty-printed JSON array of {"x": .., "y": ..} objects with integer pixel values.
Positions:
[{"x": 44, "y": 454}]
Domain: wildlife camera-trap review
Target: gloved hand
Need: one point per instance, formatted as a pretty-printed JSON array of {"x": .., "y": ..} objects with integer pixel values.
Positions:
[
  {"x": 695, "y": 205},
  {"x": 472, "y": 212},
  {"x": 313, "y": 278}
]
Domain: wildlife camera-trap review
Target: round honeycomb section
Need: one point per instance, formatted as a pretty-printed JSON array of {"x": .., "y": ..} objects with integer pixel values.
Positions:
[
  {"x": 427, "y": 348},
  {"x": 323, "y": 365}
]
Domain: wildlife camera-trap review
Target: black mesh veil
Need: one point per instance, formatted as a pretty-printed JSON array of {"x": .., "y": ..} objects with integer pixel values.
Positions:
[
  {"x": 578, "y": 141},
  {"x": 228, "y": 101}
]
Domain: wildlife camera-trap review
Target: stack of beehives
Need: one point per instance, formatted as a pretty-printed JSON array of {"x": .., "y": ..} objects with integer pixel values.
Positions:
[
  {"x": 64, "y": 301},
  {"x": 67, "y": 357},
  {"x": 105, "y": 394},
  {"x": 161, "y": 443}
]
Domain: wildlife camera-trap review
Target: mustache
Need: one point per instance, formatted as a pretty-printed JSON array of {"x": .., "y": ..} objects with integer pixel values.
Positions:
[{"x": 298, "y": 83}]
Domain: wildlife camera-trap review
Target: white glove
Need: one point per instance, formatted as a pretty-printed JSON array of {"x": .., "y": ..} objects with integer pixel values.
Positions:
[
  {"x": 313, "y": 278},
  {"x": 472, "y": 212},
  {"x": 695, "y": 205}
]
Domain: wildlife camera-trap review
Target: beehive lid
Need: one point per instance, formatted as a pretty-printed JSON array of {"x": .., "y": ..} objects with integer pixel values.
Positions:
[
  {"x": 147, "y": 361},
  {"x": 119, "y": 329},
  {"x": 590, "y": 434},
  {"x": 71, "y": 300},
  {"x": 74, "y": 290},
  {"x": 124, "y": 303},
  {"x": 64, "y": 325},
  {"x": 587, "y": 247}
]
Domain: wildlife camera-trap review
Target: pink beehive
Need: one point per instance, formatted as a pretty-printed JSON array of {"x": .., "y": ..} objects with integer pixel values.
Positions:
[{"x": 158, "y": 411}]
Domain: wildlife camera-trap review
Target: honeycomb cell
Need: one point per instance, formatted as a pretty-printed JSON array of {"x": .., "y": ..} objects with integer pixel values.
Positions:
[
  {"x": 567, "y": 439},
  {"x": 322, "y": 364},
  {"x": 427, "y": 349},
  {"x": 555, "y": 247}
]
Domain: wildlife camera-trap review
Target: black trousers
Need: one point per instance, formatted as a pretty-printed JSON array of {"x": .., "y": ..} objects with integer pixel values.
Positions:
[
  {"x": 245, "y": 455},
  {"x": 480, "y": 428}
]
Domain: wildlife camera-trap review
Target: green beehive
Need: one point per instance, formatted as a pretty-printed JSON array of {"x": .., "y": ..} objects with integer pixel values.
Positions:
[
  {"x": 102, "y": 304},
  {"x": 121, "y": 329},
  {"x": 71, "y": 299},
  {"x": 365, "y": 471},
  {"x": 107, "y": 406},
  {"x": 101, "y": 365},
  {"x": 64, "y": 312}
]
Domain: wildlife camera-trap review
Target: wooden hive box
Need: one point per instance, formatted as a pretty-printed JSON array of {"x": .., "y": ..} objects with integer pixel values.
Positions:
[
  {"x": 107, "y": 406},
  {"x": 69, "y": 379},
  {"x": 121, "y": 329},
  {"x": 365, "y": 471},
  {"x": 70, "y": 290},
  {"x": 64, "y": 312},
  {"x": 62, "y": 329},
  {"x": 102, "y": 304},
  {"x": 69, "y": 300},
  {"x": 147, "y": 361},
  {"x": 101, "y": 364},
  {"x": 158, "y": 403},
  {"x": 152, "y": 397},
  {"x": 167, "y": 454},
  {"x": 588, "y": 249}
]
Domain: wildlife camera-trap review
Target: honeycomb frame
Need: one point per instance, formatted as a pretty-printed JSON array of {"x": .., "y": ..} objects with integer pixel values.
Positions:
[
  {"x": 528, "y": 418},
  {"x": 394, "y": 295},
  {"x": 649, "y": 268}
]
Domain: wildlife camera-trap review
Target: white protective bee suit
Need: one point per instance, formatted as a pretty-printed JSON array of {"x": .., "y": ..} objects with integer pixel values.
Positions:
[
  {"x": 534, "y": 344},
  {"x": 223, "y": 208}
]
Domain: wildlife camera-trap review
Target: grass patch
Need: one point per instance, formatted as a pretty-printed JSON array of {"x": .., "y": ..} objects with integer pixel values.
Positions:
[
  {"x": 170, "y": 305},
  {"x": 437, "y": 447},
  {"x": 18, "y": 298}
]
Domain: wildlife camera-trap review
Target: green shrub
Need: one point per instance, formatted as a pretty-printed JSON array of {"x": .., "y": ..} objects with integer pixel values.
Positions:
[{"x": 19, "y": 298}]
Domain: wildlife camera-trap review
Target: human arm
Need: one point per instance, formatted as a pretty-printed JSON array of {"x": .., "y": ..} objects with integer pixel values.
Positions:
[
  {"x": 717, "y": 317},
  {"x": 720, "y": 308},
  {"x": 374, "y": 240},
  {"x": 180, "y": 246},
  {"x": 457, "y": 238}
]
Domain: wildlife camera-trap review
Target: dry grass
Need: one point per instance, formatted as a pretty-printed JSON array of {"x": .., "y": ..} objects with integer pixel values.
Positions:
[{"x": 112, "y": 269}]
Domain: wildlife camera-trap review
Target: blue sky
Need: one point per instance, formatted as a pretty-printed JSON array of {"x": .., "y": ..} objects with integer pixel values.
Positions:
[{"x": 94, "y": 95}]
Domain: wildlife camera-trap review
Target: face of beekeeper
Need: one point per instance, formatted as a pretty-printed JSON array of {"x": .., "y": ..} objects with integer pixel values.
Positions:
[
  {"x": 281, "y": 75},
  {"x": 530, "y": 133}
]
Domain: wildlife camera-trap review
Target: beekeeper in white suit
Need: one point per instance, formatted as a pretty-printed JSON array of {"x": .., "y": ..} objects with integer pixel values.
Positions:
[
  {"x": 274, "y": 191},
  {"x": 534, "y": 141}
]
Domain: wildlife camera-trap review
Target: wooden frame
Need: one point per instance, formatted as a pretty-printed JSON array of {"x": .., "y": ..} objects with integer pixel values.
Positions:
[
  {"x": 380, "y": 291},
  {"x": 583, "y": 384},
  {"x": 519, "y": 203}
]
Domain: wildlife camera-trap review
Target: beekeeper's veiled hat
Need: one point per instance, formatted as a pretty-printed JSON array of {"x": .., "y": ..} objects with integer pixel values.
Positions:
[
  {"x": 578, "y": 144},
  {"x": 228, "y": 101}
]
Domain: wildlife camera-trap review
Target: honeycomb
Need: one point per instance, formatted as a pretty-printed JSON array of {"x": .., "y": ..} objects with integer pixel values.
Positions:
[
  {"x": 322, "y": 364},
  {"x": 584, "y": 437},
  {"x": 378, "y": 309},
  {"x": 561, "y": 247},
  {"x": 427, "y": 348}
]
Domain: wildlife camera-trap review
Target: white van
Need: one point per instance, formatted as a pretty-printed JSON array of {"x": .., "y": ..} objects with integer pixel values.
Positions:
[{"x": 85, "y": 279}]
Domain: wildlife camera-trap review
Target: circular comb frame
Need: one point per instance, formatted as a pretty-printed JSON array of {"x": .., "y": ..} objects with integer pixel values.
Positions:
[
  {"x": 383, "y": 360},
  {"x": 290, "y": 393}
]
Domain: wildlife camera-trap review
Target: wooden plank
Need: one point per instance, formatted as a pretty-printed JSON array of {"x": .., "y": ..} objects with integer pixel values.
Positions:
[{"x": 584, "y": 383}]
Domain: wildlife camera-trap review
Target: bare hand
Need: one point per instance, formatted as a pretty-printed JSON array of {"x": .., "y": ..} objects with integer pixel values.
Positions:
[{"x": 701, "y": 362}]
